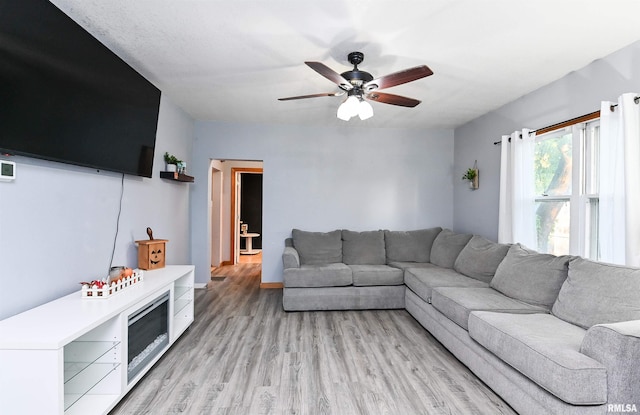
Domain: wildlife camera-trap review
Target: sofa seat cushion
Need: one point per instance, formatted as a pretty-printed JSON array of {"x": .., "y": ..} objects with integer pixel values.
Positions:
[
  {"x": 317, "y": 248},
  {"x": 403, "y": 265},
  {"x": 364, "y": 275},
  {"x": 329, "y": 275},
  {"x": 422, "y": 280},
  {"x": 546, "y": 350},
  {"x": 456, "y": 303}
]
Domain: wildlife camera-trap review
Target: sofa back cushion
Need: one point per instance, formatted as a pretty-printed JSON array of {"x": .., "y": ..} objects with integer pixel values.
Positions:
[
  {"x": 410, "y": 246},
  {"x": 447, "y": 246},
  {"x": 480, "y": 258},
  {"x": 363, "y": 248},
  {"x": 598, "y": 293},
  {"x": 530, "y": 276},
  {"x": 317, "y": 248}
]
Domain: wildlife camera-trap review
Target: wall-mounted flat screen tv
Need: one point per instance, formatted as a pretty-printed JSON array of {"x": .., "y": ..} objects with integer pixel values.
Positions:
[{"x": 66, "y": 97}]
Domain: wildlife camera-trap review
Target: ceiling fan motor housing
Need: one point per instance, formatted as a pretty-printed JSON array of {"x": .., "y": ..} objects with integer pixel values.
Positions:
[
  {"x": 355, "y": 58},
  {"x": 355, "y": 76}
]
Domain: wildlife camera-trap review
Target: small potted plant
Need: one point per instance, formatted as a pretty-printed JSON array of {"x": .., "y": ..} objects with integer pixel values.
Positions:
[
  {"x": 471, "y": 175},
  {"x": 171, "y": 161}
]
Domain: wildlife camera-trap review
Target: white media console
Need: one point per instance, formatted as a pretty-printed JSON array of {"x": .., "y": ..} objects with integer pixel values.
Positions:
[{"x": 70, "y": 356}]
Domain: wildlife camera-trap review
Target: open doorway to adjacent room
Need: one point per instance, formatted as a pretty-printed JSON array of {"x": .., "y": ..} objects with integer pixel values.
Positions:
[
  {"x": 246, "y": 208},
  {"x": 235, "y": 209}
]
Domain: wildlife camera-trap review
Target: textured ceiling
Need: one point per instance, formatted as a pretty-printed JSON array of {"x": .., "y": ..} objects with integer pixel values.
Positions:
[{"x": 231, "y": 60}]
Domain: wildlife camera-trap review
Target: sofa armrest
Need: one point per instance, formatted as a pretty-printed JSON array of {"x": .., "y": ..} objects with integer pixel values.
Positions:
[
  {"x": 290, "y": 258},
  {"x": 617, "y": 346}
]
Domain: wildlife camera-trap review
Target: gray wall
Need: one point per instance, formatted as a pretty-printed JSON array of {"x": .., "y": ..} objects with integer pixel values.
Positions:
[
  {"x": 58, "y": 222},
  {"x": 576, "y": 94},
  {"x": 325, "y": 178}
]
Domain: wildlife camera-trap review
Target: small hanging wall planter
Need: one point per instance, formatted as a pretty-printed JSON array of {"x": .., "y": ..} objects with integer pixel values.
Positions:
[{"x": 471, "y": 175}]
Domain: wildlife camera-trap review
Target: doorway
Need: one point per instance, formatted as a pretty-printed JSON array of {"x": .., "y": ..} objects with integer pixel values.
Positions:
[
  {"x": 250, "y": 206},
  {"x": 226, "y": 205},
  {"x": 246, "y": 215}
]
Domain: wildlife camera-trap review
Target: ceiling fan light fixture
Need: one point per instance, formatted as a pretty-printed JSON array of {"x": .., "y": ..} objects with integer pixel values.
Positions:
[
  {"x": 365, "y": 110},
  {"x": 353, "y": 105},
  {"x": 349, "y": 108},
  {"x": 343, "y": 114}
]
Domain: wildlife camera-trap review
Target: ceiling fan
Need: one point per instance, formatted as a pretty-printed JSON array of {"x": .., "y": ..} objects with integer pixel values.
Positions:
[{"x": 360, "y": 85}]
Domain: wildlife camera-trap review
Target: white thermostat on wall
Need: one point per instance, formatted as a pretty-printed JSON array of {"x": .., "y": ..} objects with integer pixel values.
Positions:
[{"x": 7, "y": 170}]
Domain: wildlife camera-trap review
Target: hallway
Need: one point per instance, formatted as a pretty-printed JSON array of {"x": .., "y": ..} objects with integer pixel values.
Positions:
[{"x": 251, "y": 259}]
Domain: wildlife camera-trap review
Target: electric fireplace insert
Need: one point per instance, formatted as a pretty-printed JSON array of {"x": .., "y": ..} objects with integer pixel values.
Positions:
[{"x": 148, "y": 334}]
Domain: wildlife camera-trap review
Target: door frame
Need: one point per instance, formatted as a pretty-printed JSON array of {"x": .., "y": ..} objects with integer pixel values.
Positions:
[
  {"x": 216, "y": 213},
  {"x": 234, "y": 174}
]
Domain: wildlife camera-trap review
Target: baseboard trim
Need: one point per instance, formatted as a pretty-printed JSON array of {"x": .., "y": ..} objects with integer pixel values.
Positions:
[
  {"x": 223, "y": 263},
  {"x": 271, "y": 285},
  {"x": 200, "y": 285}
]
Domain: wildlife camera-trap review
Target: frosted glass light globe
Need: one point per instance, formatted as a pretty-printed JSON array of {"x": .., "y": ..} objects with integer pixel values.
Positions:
[{"x": 365, "y": 110}]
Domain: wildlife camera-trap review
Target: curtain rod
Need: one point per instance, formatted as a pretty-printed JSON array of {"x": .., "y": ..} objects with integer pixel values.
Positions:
[
  {"x": 556, "y": 126},
  {"x": 572, "y": 121},
  {"x": 612, "y": 107}
]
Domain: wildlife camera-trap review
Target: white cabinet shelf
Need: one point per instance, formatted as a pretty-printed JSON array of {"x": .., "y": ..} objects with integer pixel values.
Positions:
[
  {"x": 69, "y": 356},
  {"x": 81, "y": 386},
  {"x": 79, "y": 355},
  {"x": 181, "y": 290},
  {"x": 182, "y": 304},
  {"x": 87, "y": 364},
  {"x": 99, "y": 404}
]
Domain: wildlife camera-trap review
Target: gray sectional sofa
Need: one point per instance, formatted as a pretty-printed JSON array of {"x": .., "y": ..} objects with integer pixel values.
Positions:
[{"x": 549, "y": 334}]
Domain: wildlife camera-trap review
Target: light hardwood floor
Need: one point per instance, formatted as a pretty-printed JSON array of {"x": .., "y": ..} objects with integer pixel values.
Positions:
[
  {"x": 250, "y": 259},
  {"x": 245, "y": 355}
]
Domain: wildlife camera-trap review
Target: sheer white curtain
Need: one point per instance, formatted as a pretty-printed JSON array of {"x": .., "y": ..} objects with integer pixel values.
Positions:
[
  {"x": 517, "y": 217},
  {"x": 619, "y": 218}
]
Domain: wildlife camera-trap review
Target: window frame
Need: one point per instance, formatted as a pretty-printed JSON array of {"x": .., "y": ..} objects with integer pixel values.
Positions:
[{"x": 583, "y": 202}]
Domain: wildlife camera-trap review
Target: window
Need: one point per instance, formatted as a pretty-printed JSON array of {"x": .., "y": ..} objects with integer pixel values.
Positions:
[{"x": 566, "y": 188}]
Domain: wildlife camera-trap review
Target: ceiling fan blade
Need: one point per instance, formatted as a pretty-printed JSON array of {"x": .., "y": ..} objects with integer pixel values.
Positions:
[
  {"x": 327, "y": 94},
  {"x": 392, "y": 99},
  {"x": 398, "y": 78},
  {"x": 330, "y": 74}
]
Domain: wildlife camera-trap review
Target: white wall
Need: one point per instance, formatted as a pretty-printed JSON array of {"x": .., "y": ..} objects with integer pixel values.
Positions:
[
  {"x": 58, "y": 222},
  {"x": 325, "y": 178},
  {"x": 576, "y": 94}
]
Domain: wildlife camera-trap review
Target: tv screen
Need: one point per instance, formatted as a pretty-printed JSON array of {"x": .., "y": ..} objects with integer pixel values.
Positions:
[{"x": 66, "y": 97}]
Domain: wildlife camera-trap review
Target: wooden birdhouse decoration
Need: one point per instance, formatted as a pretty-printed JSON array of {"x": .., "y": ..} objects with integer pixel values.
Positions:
[{"x": 151, "y": 253}]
